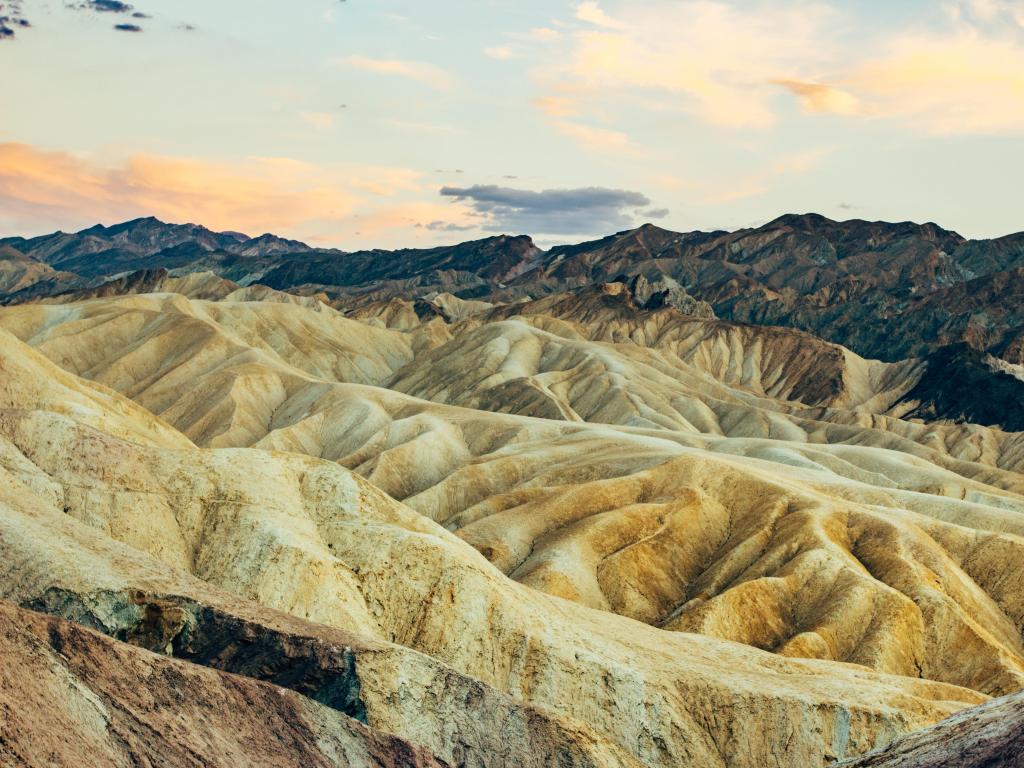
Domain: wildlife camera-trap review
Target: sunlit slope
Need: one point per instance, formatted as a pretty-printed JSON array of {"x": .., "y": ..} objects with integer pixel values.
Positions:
[{"x": 697, "y": 506}]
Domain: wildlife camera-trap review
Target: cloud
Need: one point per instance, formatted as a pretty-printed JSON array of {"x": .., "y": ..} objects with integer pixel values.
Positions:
[
  {"x": 817, "y": 97},
  {"x": 762, "y": 180},
  {"x": 321, "y": 121},
  {"x": 556, "y": 106},
  {"x": 113, "y": 6},
  {"x": 446, "y": 226},
  {"x": 405, "y": 220},
  {"x": 965, "y": 82},
  {"x": 42, "y": 190},
  {"x": 421, "y": 72},
  {"x": 958, "y": 71},
  {"x": 599, "y": 139},
  {"x": 586, "y": 211},
  {"x": 990, "y": 11},
  {"x": 714, "y": 60},
  {"x": 591, "y": 13},
  {"x": 545, "y": 34},
  {"x": 501, "y": 52},
  {"x": 105, "y": 6}
]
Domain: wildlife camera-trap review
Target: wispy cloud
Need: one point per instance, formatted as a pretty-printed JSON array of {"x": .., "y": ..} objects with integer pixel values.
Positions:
[
  {"x": 818, "y": 97},
  {"x": 959, "y": 71},
  {"x": 545, "y": 34},
  {"x": 422, "y": 72},
  {"x": 557, "y": 106},
  {"x": 42, "y": 190},
  {"x": 321, "y": 121},
  {"x": 599, "y": 139},
  {"x": 501, "y": 52},
  {"x": 962, "y": 82},
  {"x": 105, "y": 6},
  {"x": 713, "y": 60},
  {"x": 760, "y": 181},
  {"x": 592, "y": 13}
]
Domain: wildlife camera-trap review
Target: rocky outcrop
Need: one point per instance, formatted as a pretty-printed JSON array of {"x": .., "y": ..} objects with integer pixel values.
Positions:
[
  {"x": 665, "y": 292},
  {"x": 987, "y": 736},
  {"x": 74, "y": 697}
]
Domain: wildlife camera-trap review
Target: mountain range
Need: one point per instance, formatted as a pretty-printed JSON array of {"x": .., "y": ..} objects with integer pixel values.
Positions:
[{"x": 661, "y": 499}]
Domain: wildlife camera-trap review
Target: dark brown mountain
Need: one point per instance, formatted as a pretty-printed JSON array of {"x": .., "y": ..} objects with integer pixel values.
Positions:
[
  {"x": 490, "y": 261},
  {"x": 147, "y": 243},
  {"x": 801, "y": 254}
]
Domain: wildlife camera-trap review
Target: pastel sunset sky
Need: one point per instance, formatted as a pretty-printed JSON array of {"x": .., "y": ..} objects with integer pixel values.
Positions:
[{"x": 403, "y": 122}]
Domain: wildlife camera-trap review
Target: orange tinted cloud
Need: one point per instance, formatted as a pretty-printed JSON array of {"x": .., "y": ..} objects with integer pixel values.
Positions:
[
  {"x": 256, "y": 195},
  {"x": 964, "y": 83},
  {"x": 723, "y": 63},
  {"x": 49, "y": 190},
  {"x": 817, "y": 97},
  {"x": 556, "y": 106},
  {"x": 714, "y": 60}
]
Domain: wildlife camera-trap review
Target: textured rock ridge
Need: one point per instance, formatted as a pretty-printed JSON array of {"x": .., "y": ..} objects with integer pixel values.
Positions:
[
  {"x": 74, "y": 697},
  {"x": 988, "y": 736}
]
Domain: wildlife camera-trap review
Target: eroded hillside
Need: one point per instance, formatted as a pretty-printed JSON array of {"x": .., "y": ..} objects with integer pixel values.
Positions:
[{"x": 597, "y": 527}]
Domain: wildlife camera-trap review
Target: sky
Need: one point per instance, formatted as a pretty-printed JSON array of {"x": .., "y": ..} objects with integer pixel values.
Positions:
[{"x": 395, "y": 123}]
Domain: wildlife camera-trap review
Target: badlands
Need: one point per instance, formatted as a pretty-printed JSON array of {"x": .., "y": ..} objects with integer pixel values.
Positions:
[{"x": 596, "y": 526}]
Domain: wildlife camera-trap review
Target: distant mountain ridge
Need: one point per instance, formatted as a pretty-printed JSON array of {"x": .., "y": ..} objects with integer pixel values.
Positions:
[{"x": 885, "y": 290}]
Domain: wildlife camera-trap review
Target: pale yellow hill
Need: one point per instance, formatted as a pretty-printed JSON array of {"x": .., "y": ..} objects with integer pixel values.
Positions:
[
  {"x": 308, "y": 537},
  {"x": 805, "y": 532}
]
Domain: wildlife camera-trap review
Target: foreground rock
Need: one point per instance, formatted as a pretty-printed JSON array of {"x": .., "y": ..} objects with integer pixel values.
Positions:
[
  {"x": 73, "y": 697},
  {"x": 989, "y": 736}
]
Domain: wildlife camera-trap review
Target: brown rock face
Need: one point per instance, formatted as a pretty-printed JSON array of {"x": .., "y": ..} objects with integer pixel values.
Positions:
[
  {"x": 988, "y": 736},
  {"x": 72, "y": 697}
]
